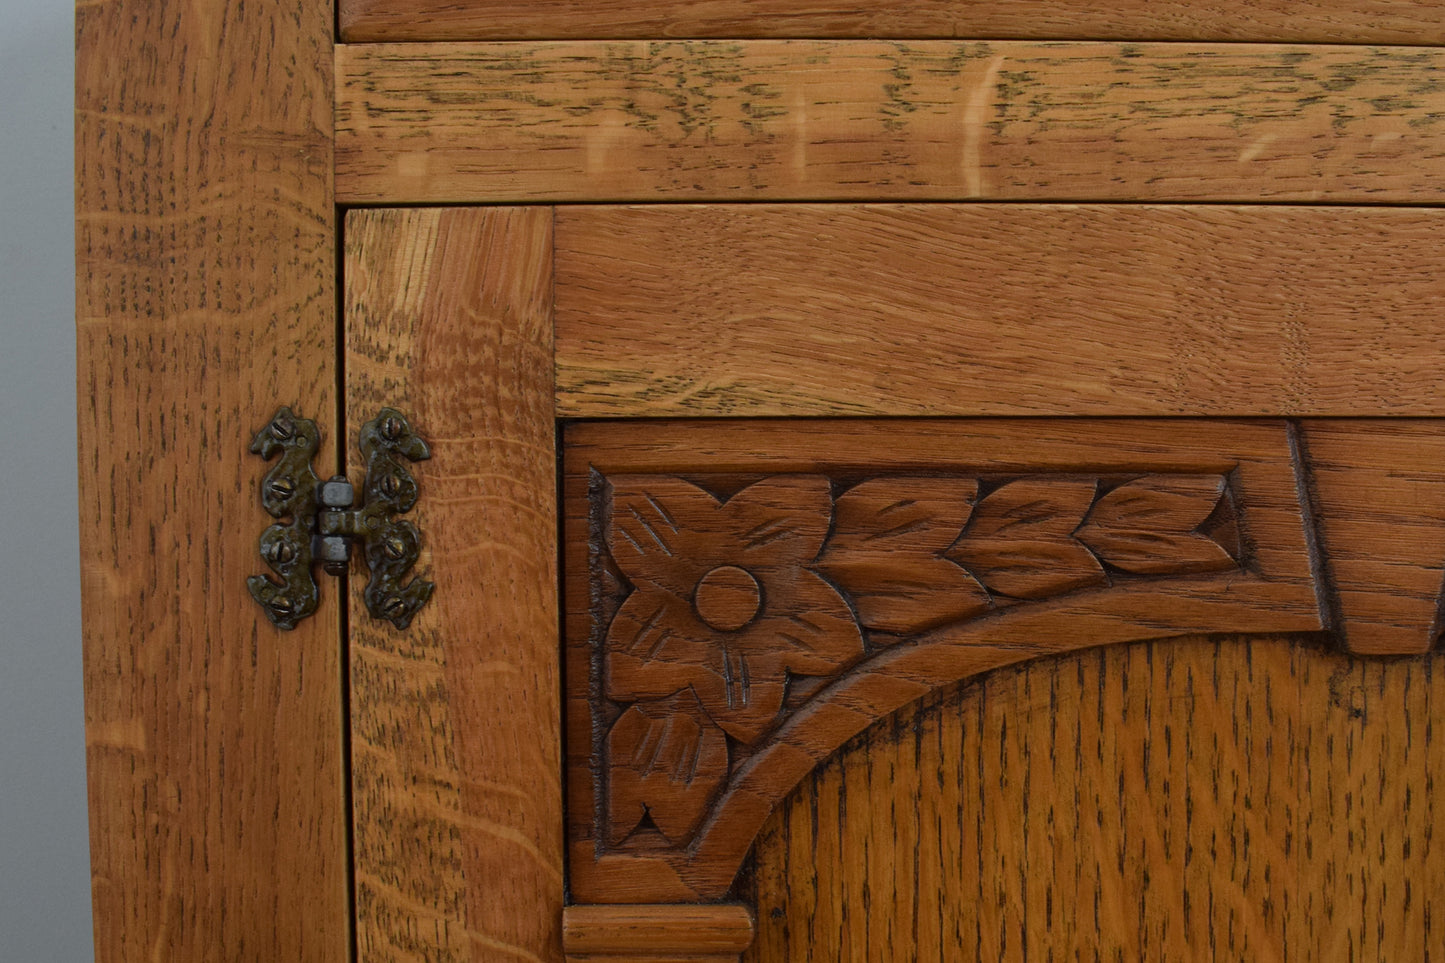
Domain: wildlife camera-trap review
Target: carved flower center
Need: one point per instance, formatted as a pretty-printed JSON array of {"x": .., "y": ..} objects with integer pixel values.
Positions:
[{"x": 727, "y": 598}]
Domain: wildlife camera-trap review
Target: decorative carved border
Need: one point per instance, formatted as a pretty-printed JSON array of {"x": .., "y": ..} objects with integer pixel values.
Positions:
[{"x": 743, "y": 599}]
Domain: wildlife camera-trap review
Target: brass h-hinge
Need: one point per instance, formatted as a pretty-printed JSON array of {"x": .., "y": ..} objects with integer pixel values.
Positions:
[{"x": 324, "y": 524}]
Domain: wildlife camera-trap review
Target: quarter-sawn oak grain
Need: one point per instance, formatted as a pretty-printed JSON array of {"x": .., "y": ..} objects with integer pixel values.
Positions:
[
  {"x": 1190, "y": 800},
  {"x": 1312, "y": 21},
  {"x": 205, "y": 300},
  {"x": 864, "y": 120},
  {"x": 456, "y": 721},
  {"x": 772, "y": 310}
]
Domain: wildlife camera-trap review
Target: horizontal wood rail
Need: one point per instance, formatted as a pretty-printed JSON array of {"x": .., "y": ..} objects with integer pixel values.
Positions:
[
  {"x": 1310, "y": 21},
  {"x": 872, "y": 120},
  {"x": 983, "y": 309}
]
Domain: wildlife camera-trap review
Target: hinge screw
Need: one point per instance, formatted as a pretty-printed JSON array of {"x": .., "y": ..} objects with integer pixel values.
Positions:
[
  {"x": 282, "y": 429},
  {"x": 390, "y": 428},
  {"x": 283, "y": 487},
  {"x": 394, "y": 547},
  {"x": 390, "y": 485},
  {"x": 281, "y": 553},
  {"x": 281, "y": 605},
  {"x": 394, "y": 606}
]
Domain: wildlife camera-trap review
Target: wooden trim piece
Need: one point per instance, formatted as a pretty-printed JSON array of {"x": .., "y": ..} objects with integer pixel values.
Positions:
[
  {"x": 998, "y": 310},
  {"x": 456, "y": 721},
  {"x": 205, "y": 299},
  {"x": 1368, "y": 477},
  {"x": 1312, "y": 21},
  {"x": 714, "y": 933},
  {"x": 870, "y": 120},
  {"x": 888, "y": 560}
]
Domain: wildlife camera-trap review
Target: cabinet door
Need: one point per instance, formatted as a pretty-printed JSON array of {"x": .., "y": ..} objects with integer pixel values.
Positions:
[{"x": 883, "y": 687}]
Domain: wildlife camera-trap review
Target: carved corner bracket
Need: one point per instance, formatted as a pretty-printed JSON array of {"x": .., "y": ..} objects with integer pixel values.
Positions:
[{"x": 745, "y": 598}]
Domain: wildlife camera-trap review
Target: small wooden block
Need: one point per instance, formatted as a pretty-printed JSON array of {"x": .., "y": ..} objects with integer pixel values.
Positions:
[
  {"x": 657, "y": 933},
  {"x": 1379, "y": 489}
]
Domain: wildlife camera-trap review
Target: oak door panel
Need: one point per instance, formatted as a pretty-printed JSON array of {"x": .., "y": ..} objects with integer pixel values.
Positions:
[{"x": 1223, "y": 800}]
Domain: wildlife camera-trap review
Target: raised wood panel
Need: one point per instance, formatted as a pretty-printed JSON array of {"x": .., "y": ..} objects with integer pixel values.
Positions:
[
  {"x": 886, "y": 559},
  {"x": 1312, "y": 21},
  {"x": 205, "y": 299},
  {"x": 1209, "y": 800},
  {"x": 870, "y": 120},
  {"x": 455, "y": 721},
  {"x": 997, "y": 310}
]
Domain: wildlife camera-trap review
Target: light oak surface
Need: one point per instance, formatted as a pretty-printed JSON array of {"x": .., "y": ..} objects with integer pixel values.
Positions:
[
  {"x": 865, "y": 120},
  {"x": 205, "y": 300},
  {"x": 456, "y": 756},
  {"x": 1194, "y": 800},
  {"x": 770, "y": 310},
  {"x": 1315, "y": 21}
]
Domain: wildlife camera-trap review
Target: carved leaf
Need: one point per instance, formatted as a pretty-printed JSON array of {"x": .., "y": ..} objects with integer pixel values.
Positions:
[
  {"x": 1021, "y": 539},
  {"x": 665, "y": 760},
  {"x": 780, "y": 522},
  {"x": 886, "y": 551},
  {"x": 1150, "y": 526},
  {"x": 651, "y": 530}
]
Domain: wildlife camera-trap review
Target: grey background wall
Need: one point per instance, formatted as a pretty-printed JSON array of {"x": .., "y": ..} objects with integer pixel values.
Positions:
[{"x": 44, "y": 855}]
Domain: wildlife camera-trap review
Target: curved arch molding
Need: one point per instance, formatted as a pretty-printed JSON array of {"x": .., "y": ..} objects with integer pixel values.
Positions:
[{"x": 743, "y": 597}]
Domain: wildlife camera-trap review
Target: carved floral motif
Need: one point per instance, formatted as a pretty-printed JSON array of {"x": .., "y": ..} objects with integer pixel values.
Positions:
[{"x": 737, "y": 609}]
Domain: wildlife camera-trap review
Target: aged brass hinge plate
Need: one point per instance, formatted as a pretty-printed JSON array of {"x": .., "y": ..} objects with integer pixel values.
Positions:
[{"x": 324, "y": 524}]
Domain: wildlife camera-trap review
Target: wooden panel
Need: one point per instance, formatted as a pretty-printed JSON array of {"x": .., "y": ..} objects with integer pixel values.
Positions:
[
  {"x": 1188, "y": 800},
  {"x": 205, "y": 299},
  {"x": 768, "y": 120},
  {"x": 1372, "y": 882},
  {"x": 1369, "y": 477},
  {"x": 998, "y": 310},
  {"x": 455, "y": 721},
  {"x": 1312, "y": 21},
  {"x": 746, "y": 596}
]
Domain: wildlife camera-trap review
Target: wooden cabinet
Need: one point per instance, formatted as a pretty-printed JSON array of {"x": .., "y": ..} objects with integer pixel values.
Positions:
[{"x": 923, "y": 498}]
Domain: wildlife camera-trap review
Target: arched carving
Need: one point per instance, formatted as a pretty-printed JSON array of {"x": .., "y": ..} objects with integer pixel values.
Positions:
[{"x": 743, "y": 598}]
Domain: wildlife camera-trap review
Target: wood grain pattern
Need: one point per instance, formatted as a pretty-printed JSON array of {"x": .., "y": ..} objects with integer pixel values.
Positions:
[
  {"x": 205, "y": 299},
  {"x": 1311, "y": 21},
  {"x": 1380, "y": 497},
  {"x": 455, "y": 722},
  {"x": 997, "y": 310},
  {"x": 1232, "y": 799},
  {"x": 863, "y": 120},
  {"x": 684, "y": 732},
  {"x": 715, "y": 933}
]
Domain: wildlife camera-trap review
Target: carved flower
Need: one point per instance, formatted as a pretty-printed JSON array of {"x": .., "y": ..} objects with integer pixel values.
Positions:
[{"x": 724, "y": 600}]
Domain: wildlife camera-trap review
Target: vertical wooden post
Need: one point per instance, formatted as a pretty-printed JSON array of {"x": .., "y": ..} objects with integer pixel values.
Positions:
[
  {"x": 206, "y": 298},
  {"x": 456, "y": 724}
]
